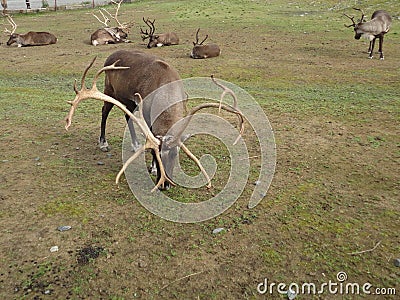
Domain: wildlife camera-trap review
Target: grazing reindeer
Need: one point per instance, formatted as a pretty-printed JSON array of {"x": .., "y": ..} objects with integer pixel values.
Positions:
[
  {"x": 32, "y": 38},
  {"x": 131, "y": 75},
  {"x": 204, "y": 51},
  {"x": 377, "y": 27},
  {"x": 110, "y": 35},
  {"x": 163, "y": 39}
]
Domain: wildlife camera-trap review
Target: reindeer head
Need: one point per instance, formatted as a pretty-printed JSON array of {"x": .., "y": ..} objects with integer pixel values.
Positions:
[
  {"x": 13, "y": 36},
  {"x": 153, "y": 38},
  {"x": 358, "y": 32}
]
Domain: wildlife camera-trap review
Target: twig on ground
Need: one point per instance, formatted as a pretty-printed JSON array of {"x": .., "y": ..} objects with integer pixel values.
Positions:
[
  {"x": 179, "y": 279},
  {"x": 369, "y": 250}
]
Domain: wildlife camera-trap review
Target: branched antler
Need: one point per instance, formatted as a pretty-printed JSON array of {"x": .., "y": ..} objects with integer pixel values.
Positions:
[
  {"x": 352, "y": 17},
  {"x": 12, "y": 23},
  {"x": 150, "y": 24},
  {"x": 105, "y": 14},
  {"x": 197, "y": 38},
  {"x": 93, "y": 93},
  {"x": 226, "y": 91},
  {"x": 362, "y": 14},
  {"x": 232, "y": 109}
]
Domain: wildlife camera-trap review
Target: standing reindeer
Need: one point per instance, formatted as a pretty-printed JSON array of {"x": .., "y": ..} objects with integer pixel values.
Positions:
[
  {"x": 163, "y": 39},
  {"x": 110, "y": 35},
  {"x": 377, "y": 27},
  {"x": 32, "y": 38},
  {"x": 204, "y": 51},
  {"x": 131, "y": 75}
]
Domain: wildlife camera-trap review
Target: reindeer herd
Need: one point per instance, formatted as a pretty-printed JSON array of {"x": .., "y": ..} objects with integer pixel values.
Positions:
[
  {"x": 377, "y": 27},
  {"x": 131, "y": 76},
  {"x": 113, "y": 35}
]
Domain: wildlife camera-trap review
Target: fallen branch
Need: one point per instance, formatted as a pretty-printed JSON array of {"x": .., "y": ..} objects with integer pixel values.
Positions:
[{"x": 369, "y": 250}]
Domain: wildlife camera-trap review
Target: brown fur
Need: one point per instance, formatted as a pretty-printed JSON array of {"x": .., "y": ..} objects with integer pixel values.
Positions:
[
  {"x": 164, "y": 39},
  {"x": 32, "y": 38},
  {"x": 205, "y": 51},
  {"x": 162, "y": 108}
]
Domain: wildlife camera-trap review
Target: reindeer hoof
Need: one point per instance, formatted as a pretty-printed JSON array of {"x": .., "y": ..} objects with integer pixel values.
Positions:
[{"x": 104, "y": 147}]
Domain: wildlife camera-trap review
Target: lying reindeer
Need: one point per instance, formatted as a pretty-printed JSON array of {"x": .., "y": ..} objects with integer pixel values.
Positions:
[
  {"x": 32, "y": 38},
  {"x": 131, "y": 75},
  {"x": 204, "y": 51},
  {"x": 377, "y": 27},
  {"x": 159, "y": 40},
  {"x": 110, "y": 35}
]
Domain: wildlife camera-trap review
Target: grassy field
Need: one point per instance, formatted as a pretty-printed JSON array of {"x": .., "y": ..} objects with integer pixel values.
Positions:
[{"x": 335, "y": 116}]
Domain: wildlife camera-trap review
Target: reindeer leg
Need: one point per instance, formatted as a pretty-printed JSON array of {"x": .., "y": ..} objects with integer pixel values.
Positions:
[
  {"x": 135, "y": 143},
  {"x": 380, "y": 47},
  {"x": 153, "y": 167},
  {"x": 107, "y": 106},
  {"x": 131, "y": 106},
  {"x": 372, "y": 45}
]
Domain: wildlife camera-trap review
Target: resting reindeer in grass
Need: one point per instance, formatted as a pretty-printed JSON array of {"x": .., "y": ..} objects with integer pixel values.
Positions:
[
  {"x": 110, "y": 35},
  {"x": 32, "y": 38},
  {"x": 204, "y": 51},
  {"x": 158, "y": 40},
  {"x": 131, "y": 75},
  {"x": 377, "y": 27}
]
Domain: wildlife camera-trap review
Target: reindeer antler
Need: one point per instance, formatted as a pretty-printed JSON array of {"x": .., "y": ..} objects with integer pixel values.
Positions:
[
  {"x": 362, "y": 14},
  {"x": 106, "y": 20},
  {"x": 352, "y": 19},
  {"x": 150, "y": 24},
  {"x": 12, "y": 23},
  {"x": 93, "y": 93},
  {"x": 197, "y": 38},
  {"x": 105, "y": 14},
  {"x": 232, "y": 109}
]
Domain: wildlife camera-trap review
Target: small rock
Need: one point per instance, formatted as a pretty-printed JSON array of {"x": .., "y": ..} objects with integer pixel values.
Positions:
[
  {"x": 54, "y": 249},
  {"x": 100, "y": 163},
  {"x": 257, "y": 182},
  {"x": 77, "y": 148},
  {"x": 396, "y": 262},
  {"x": 218, "y": 230},
  {"x": 37, "y": 158},
  {"x": 64, "y": 228},
  {"x": 109, "y": 155},
  {"x": 142, "y": 264},
  {"x": 47, "y": 292}
]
